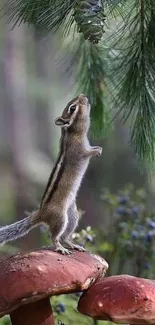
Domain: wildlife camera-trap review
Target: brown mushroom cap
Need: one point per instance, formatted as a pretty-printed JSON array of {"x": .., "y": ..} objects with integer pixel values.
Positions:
[
  {"x": 26, "y": 278},
  {"x": 121, "y": 299}
]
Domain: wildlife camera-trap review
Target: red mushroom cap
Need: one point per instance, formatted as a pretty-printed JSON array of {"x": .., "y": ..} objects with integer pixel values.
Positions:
[
  {"x": 26, "y": 278},
  {"x": 121, "y": 299}
]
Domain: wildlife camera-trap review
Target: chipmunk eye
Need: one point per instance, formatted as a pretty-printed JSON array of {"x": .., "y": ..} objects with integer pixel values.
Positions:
[{"x": 72, "y": 108}]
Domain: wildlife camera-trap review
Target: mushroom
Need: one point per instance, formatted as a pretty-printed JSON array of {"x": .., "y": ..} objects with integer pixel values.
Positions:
[
  {"x": 27, "y": 281},
  {"x": 121, "y": 299}
]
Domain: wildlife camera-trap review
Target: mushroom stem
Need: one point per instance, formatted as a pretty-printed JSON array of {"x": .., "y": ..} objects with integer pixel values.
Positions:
[{"x": 37, "y": 313}]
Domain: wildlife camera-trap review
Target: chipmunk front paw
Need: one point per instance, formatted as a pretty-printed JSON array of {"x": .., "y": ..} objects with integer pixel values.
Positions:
[{"x": 97, "y": 150}]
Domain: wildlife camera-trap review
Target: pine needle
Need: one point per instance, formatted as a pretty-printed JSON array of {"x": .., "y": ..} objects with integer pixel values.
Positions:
[
  {"x": 90, "y": 72},
  {"x": 47, "y": 14},
  {"x": 133, "y": 74}
]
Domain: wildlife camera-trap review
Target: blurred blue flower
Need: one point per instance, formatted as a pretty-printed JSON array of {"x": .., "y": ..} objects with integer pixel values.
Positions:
[
  {"x": 151, "y": 223},
  {"x": 147, "y": 265},
  {"x": 149, "y": 236},
  {"x": 120, "y": 210},
  {"x": 60, "y": 308},
  {"x": 135, "y": 211},
  {"x": 123, "y": 199},
  {"x": 134, "y": 234}
]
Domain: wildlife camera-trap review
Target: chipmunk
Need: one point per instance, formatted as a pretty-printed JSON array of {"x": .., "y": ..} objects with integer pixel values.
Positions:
[{"x": 58, "y": 210}]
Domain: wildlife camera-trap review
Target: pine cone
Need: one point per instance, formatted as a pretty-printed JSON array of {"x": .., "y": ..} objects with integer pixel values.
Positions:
[{"x": 89, "y": 16}]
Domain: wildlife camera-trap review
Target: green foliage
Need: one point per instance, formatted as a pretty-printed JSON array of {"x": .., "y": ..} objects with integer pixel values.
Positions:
[
  {"x": 116, "y": 8},
  {"x": 5, "y": 320},
  {"x": 48, "y": 14},
  {"x": 65, "y": 310},
  {"x": 133, "y": 75},
  {"x": 129, "y": 243}
]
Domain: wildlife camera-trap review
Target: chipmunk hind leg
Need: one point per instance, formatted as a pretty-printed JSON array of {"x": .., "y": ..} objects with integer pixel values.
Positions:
[
  {"x": 73, "y": 220},
  {"x": 57, "y": 226}
]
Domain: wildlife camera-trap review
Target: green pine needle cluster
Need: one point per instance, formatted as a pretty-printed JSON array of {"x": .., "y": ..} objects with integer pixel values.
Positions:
[
  {"x": 116, "y": 8},
  {"x": 47, "y": 14},
  {"x": 133, "y": 75},
  {"x": 52, "y": 14},
  {"x": 91, "y": 72}
]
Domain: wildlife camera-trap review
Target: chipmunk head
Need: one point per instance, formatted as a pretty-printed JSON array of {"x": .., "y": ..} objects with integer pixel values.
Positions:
[{"x": 75, "y": 116}]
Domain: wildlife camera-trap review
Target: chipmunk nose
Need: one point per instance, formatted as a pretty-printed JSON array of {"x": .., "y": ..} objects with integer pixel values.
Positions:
[{"x": 83, "y": 99}]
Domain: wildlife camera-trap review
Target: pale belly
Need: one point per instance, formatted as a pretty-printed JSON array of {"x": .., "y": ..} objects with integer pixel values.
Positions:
[{"x": 70, "y": 184}]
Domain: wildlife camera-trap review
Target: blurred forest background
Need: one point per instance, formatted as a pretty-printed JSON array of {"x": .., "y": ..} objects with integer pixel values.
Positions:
[{"x": 34, "y": 89}]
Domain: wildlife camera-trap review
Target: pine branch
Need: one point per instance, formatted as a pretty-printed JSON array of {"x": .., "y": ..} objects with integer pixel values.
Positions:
[
  {"x": 47, "y": 14},
  {"x": 52, "y": 14},
  {"x": 91, "y": 69},
  {"x": 134, "y": 77}
]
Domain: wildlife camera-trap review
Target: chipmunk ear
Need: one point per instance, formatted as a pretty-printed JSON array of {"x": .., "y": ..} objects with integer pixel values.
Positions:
[{"x": 62, "y": 122}]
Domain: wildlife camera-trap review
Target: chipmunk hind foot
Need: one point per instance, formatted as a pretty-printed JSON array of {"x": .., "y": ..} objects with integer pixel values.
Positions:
[
  {"x": 71, "y": 245},
  {"x": 60, "y": 249}
]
